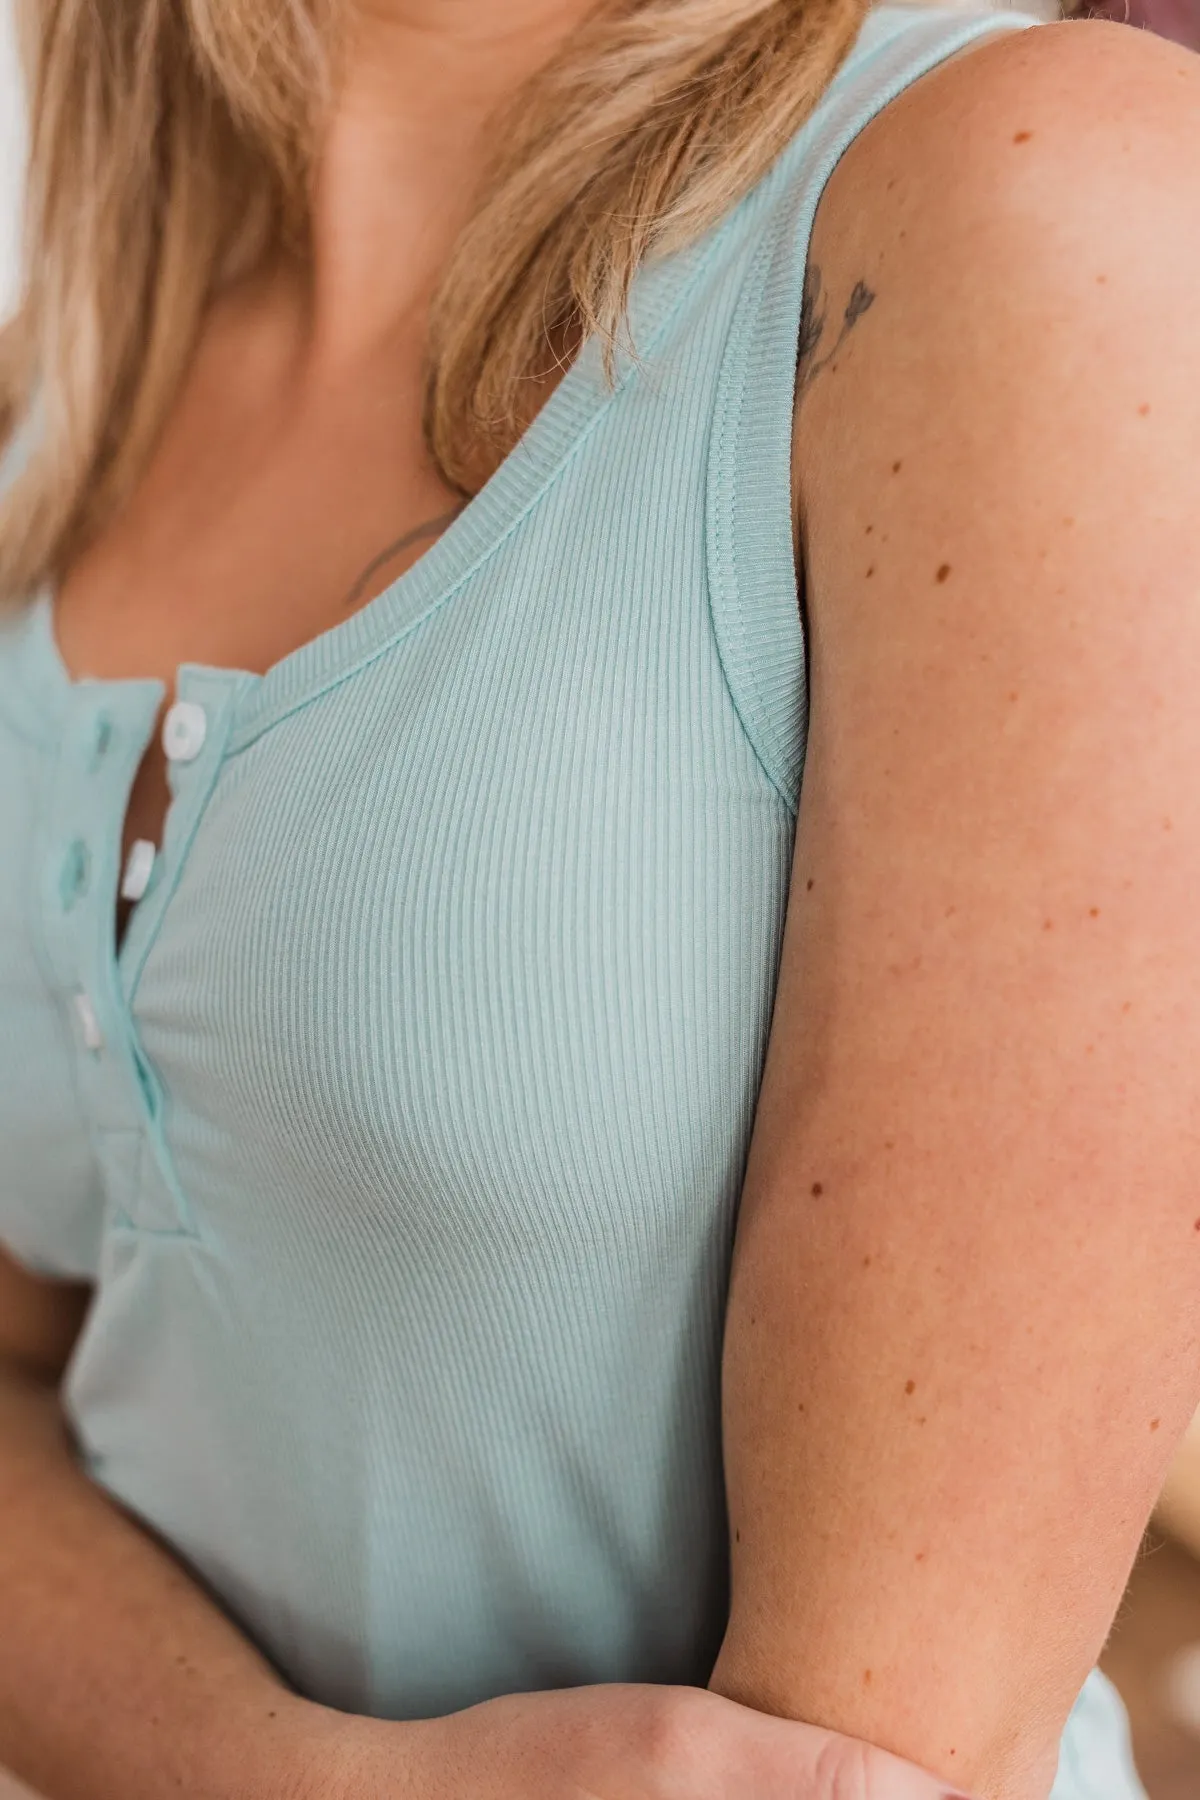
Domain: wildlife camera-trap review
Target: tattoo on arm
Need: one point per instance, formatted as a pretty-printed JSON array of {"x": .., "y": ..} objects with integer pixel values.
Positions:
[{"x": 813, "y": 318}]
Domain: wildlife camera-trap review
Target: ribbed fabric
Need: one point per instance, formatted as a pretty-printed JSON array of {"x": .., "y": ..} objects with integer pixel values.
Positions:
[{"x": 403, "y": 1139}]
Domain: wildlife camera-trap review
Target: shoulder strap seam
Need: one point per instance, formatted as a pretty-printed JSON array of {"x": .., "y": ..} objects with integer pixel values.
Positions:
[{"x": 750, "y": 555}]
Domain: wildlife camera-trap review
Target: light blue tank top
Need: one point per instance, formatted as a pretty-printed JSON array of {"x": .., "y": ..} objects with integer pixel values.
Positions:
[{"x": 404, "y": 1135}]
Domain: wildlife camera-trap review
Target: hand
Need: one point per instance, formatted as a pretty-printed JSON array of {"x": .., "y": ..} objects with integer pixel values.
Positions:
[{"x": 614, "y": 1742}]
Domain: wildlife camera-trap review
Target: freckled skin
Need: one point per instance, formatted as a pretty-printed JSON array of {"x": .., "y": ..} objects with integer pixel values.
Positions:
[
  {"x": 855, "y": 671},
  {"x": 1022, "y": 137},
  {"x": 1154, "y": 1424},
  {"x": 817, "y": 1189}
]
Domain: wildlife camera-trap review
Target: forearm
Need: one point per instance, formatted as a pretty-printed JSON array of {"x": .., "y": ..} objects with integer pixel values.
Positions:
[
  {"x": 963, "y": 1325},
  {"x": 117, "y": 1674},
  {"x": 897, "y": 1574}
]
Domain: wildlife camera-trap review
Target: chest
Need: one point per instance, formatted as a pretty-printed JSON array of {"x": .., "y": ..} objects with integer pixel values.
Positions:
[
  {"x": 485, "y": 883},
  {"x": 263, "y": 521},
  {"x": 507, "y": 902}
]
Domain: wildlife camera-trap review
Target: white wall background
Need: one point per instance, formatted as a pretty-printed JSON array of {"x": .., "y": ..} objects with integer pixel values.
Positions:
[{"x": 11, "y": 155}]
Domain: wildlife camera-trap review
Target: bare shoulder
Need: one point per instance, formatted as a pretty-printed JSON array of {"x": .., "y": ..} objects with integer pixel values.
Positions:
[
  {"x": 1077, "y": 75},
  {"x": 1000, "y": 322},
  {"x": 1060, "y": 122}
]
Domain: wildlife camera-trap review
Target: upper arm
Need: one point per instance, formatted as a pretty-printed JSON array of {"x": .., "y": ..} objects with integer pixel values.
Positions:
[
  {"x": 39, "y": 1320},
  {"x": 964, "y": 1325}
]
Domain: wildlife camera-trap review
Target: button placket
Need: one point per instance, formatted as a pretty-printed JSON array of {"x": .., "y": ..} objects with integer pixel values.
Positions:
[
  {"x": 139, "y": 869},
  {"x": 195, "y": 731},
  {"x": 185, "y": 728},
  {"x": 89, "y": 789},
  {"x": 104, "y": 739},
  {"x": 75, "y": 875}
]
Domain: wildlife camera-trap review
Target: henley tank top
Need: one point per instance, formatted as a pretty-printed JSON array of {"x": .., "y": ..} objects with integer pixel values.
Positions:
[{"x": 402, "y": 1138}]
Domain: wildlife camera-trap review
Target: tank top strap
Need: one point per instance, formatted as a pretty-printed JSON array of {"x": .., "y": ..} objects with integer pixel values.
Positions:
[{"x": 750, "y": 555}]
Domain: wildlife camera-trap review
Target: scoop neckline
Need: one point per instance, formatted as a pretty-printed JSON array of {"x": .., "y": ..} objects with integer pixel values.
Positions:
[{"x": 571, "y": 411}]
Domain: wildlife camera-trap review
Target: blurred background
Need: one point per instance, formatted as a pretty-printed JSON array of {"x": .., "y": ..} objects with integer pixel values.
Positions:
[{"x": 1154, "y": 1652}]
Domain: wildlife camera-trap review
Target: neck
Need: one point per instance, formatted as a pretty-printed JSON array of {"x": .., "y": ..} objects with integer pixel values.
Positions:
[{"x": 405, "y": 150}]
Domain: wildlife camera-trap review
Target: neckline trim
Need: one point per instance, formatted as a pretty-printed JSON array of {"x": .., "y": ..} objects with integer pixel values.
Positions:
[
  {"x": 579, "y": 401},
  {"x": 557, "y": 432},
  {"x": 582, "y": 398}
]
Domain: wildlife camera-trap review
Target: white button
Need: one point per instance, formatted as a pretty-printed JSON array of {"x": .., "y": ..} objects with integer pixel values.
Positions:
[
  {"x": 89, "y": 1026},
  {"x": 184, "y": 730},
  {"x": 139, "y": 866}
]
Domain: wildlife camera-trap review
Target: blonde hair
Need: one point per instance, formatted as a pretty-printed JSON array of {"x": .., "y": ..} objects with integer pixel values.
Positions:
[{"x": 172, "y": 148}]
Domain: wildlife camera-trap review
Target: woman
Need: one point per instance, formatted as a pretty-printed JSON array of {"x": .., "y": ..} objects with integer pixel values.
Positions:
[{"x": 402, "y": 715}]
